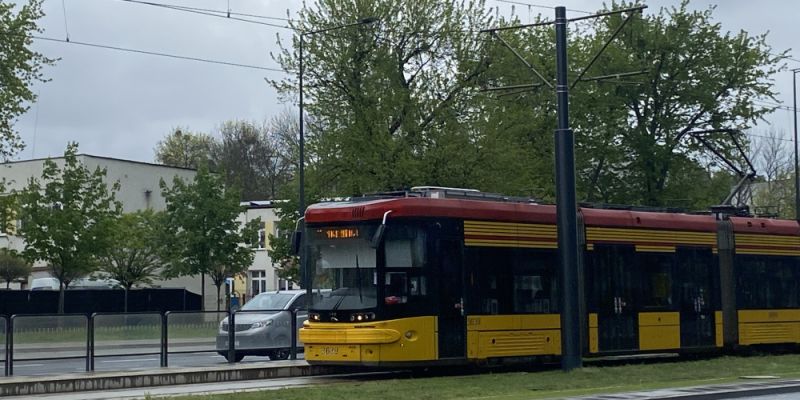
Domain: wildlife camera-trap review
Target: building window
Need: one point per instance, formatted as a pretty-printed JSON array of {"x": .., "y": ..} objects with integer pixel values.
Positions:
[
  {"x": 262, "y": 235},
  {"x": 258, "y": 282},
  {"x": 284, "y": 284},
  {"x": 276, "y": 230}
]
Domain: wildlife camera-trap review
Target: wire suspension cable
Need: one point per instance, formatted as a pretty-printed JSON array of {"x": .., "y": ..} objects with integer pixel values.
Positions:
[
  {"x": 211, "y": 10},
  {"x": 66, "y": 27},
  {"x": 159, "y": 54},
  {"x": 520, "y": 3},
  {"x": 212, "y": 13}
]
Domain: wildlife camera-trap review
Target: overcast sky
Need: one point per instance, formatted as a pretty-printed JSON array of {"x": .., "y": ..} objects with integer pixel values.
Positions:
[{"x": 119, "y": 104}]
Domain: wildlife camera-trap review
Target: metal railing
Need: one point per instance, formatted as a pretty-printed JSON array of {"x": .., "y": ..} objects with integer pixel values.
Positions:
[{"x": 271, "y": 332}]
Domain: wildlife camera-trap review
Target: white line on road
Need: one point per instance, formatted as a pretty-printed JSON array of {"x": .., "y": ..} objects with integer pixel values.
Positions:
[{"x": 28, "y": 365}]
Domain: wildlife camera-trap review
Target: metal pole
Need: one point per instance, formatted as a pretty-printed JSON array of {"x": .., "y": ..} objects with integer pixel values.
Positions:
[
  {"x": 566, "y": 208},
  {"x": 164, "y": 320},
  {"x": 7, "y": 344},
  {"x": 306, "y": 276},
  {"x": 231, "y": 337},
  {"x": 796, "y": 175},
  {"x": 293, "y": 350},
  {"x": 301, "y": 205},
  {"x": 90, "y": 343},
  {"x": 10, "y": 346}
]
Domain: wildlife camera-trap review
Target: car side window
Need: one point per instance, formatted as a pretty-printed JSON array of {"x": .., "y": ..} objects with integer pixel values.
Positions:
[{"x": 299, "y": 303}]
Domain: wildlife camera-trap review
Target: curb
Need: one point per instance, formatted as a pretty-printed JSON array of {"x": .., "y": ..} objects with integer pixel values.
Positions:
[{"x": 23, "y": 386}]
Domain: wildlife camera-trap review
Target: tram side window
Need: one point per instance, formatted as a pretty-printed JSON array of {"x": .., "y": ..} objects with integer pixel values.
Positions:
[
  {"x": 535, "y": 290},
  {"x": 767, "y": 282},
  {"x": 405, "y": 258},
  {"x": 657, "y": 271},
  {"x": 694, "y": 271},
  {"x": 488, "y": 271},
  {"x": 509, "y": 280}
]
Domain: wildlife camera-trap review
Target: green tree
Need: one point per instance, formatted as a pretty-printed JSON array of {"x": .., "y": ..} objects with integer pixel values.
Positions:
[
  {"x": 20, "y": 68},
  {"x": 398, "y": 103},
  {"x": 773, "y": 191},
  {"x": 184, "y": 149},
  {"x": 280, "y": 245},
  {"x": 13, "y": 267},
  {"x": 202, "y": 232},
  {"x": 386, "y": 100},
  {"x": 253, "y": 158},
  {"x": 633, "y": 133},
  {"x": 9, "y": 209},
  {"x": 134, "y": 259},
  {"x": 68, "y": 216}
]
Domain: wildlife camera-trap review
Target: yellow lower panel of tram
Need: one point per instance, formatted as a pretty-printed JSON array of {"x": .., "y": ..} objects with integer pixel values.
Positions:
[
  {"x": 769, "y": 326},
  {"x": 407, "y": 339},
  {"x": 659, "y": 330},
  {"x": 513, "y": 335}
]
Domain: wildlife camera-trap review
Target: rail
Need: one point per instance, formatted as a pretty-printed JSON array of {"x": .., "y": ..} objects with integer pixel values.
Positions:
[{"x": 39, "y": 337}]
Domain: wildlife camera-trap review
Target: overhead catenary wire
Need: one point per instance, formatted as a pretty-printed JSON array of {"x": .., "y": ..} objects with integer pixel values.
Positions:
[
  {"x": 64, "y": 10},
  {"x": 156, "y": 53},
  {"x": 212, "y": 13},
  {"x": 521, "y": 3},
  {"x": 211, "y": 10}
]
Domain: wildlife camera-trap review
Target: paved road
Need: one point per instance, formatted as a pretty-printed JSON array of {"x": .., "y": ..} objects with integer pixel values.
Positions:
[{"x": 123, "y": 363}]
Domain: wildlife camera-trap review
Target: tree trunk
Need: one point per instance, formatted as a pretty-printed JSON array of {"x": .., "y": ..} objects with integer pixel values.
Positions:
[
  {"x": 8, "y": 284},
  {"x": 202, "y": 292},
  {"x": 218, "y": 298},
  {"x": 125, "y": 309},
  {"x": 61, "y": 289}
]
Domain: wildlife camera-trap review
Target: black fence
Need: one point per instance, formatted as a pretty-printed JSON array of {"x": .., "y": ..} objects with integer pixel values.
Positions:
[
  {"x": 88, "y": 301},
  {"x": 31, "y": 337}
]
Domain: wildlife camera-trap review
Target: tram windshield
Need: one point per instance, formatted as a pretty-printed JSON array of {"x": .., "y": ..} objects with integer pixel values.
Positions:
[{"x": 343, "y": 260}]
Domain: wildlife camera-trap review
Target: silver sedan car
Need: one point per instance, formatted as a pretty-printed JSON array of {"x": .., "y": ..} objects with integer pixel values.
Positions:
[{"x": 263, "y": 325}]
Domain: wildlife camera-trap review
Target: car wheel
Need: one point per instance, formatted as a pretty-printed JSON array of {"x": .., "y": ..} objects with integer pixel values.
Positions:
[
  {"x": 279, "y": 354},
  {"x": 236, "y": 356}
]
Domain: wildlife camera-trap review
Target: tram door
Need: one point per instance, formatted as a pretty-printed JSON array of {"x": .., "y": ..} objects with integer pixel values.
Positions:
[
  {"x": 614, "y": 281},
  {"x": 452, "y": 328},
  {"x": 696, "y": 296}
]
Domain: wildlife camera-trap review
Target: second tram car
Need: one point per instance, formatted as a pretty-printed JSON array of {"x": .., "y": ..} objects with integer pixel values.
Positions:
[{"x": 444, "y": 276}]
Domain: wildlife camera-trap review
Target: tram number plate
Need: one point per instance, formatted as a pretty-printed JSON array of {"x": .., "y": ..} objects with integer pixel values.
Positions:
[{"x": 330, "y": 350}]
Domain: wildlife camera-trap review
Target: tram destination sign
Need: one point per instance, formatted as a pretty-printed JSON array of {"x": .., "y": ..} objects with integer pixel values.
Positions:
[{"x": 338, "y": 233}]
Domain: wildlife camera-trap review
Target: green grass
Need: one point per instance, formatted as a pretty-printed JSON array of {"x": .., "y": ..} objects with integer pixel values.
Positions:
[{"x": 543, "y": 384}]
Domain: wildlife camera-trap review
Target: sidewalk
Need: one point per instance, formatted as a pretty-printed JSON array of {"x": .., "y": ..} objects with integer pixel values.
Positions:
[{"x": 26, "y": 386}]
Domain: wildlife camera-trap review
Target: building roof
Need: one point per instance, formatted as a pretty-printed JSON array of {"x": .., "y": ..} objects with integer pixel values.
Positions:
[{"x": 99, "y": 158}]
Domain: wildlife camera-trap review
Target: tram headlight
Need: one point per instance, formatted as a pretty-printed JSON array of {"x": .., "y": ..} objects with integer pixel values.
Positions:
[
  {"x": 314, "y": 317},
  {"x": 362, "y": 317}
]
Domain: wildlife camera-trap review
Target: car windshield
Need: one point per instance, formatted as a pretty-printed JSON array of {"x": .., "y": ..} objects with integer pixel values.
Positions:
[
  {"x": 268, "y": 301},
  {"x": 343, "y": 260}
]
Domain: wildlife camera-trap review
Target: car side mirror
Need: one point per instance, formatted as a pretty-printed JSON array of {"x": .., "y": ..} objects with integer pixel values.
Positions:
[{"x": 297, "y": 240}]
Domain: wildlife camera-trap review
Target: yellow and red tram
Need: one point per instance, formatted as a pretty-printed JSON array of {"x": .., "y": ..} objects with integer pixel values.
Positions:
[{"x": 427, "y": 278}]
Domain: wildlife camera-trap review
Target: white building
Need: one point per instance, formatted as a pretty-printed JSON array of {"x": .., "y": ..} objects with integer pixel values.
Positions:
[
  {"x": 261, "y": 276},
  {"x": 139, "y": 190},
  {"x": 139, "y": 181}
]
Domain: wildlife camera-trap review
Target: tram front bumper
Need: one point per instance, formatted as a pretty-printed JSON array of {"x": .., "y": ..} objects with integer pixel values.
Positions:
[
  {"x": 372, "y": 343},
  {"x": 348, "y": 344}
]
